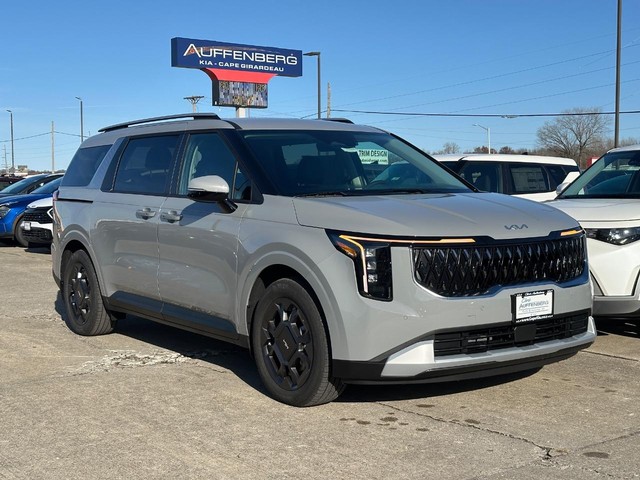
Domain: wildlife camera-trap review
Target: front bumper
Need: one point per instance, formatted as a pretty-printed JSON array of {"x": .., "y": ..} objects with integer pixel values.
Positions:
[
  {"x": 622, "y": 306},
  {"x": 419, "y": 363},
  {"x": 37, "y": 233}
]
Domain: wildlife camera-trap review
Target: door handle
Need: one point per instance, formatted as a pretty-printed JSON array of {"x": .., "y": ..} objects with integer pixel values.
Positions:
[
  {"x": 145, "y": 213},
  {"x": 171, "y": 216}
]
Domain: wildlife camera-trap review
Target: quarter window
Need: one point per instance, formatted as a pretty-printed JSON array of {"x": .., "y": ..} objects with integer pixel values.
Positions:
[{"x": 84, "y": 165}]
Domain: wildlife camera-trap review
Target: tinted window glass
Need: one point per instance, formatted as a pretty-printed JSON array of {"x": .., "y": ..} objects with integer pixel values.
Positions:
[
  {"x": 558, "y": 173},
  {"x": 208, "y": 154},
  {"x": 528, "y": 178},
  {"x": 84, "y": 165},
  {"x": 485, "y": 176},
  {"x": 50, "y": 187},
  {"x": 25, "y": 185},
  {"x": 145, "y": 165},
  {"x": 616, "y": 175},
  {"x": 328, "y": 162}
]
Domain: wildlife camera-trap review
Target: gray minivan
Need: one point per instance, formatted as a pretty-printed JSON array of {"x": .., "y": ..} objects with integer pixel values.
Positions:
[{"x": 337, "y": 253}]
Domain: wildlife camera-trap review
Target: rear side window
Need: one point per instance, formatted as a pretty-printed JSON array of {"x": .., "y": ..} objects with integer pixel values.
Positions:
[
  {"x": 84, "y": 165},
  {"x": 145, "y": 165},
  {"x": 485, "y": 176},
  {"x": 529, "y": 178}
]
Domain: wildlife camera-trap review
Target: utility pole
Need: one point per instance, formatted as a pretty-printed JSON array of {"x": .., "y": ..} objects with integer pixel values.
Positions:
[
  {"x": 53, "y": 156},
  {"x": 13, "y": 161},
  {"x": 616, "y": 135},
  {"x": 328, "y": 99},
  {"x": 194, "y": 99},
  {"x": 6, "y": 165}
]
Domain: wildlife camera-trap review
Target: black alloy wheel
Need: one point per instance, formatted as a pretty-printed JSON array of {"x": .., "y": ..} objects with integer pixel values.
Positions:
[
  {"x": 290, "y": 346},
  {"x": 85, "y": 311}
]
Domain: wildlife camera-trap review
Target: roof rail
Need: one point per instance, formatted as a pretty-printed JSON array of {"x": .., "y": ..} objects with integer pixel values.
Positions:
[
  {"x": 195, "y": 116},
  {"x": 340, "y": 120}
]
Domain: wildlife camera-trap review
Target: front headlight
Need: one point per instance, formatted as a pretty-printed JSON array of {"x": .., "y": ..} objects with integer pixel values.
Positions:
[
  {"x": 372, "y": 262},
  {"x": 615, "y": 236},
  {"x": 4, "y": 210}
]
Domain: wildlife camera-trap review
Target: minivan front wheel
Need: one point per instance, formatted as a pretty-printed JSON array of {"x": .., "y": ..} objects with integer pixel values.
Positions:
[
  {"x": 85, "y": 311},
  {"x": 290, "y": 346}
]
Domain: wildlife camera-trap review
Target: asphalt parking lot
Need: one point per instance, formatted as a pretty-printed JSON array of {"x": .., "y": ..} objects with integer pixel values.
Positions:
[{"x": 150, "y": 401}]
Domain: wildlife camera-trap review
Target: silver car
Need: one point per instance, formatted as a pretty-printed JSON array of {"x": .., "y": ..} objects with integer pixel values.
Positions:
[{"x": 336, "y": 253}]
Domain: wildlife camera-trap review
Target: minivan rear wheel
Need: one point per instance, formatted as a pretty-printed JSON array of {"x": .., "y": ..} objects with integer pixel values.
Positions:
[
  {"x": 85, "y": 311},
  {"x": 290, "y": 346}
]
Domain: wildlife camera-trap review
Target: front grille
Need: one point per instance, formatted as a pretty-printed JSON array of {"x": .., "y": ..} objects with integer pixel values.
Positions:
[
  {"x": 36, "y": 235},
  {"x": 459, "y": 271},
  {"x": 483, "y": 339},
  {"x": 38, "y": 215}
]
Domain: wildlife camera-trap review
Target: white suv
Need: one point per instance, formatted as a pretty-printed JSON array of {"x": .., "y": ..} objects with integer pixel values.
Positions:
[
  {"x": 605, "y": 199},
  {"x": 528, "y": 176}
]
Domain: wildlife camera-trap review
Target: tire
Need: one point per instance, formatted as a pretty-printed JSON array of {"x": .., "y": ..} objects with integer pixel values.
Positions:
[
  {"x": 289, "y": 343},
  {"x": 85, "y": 311},
  {"x": 18, "y": 234}
]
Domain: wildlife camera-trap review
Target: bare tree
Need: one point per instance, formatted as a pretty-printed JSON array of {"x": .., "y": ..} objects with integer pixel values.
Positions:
[
  {"x": 450, "y": 147},
  {"x": 574, "y": 136},
  {"x": 482, "y": 149}
]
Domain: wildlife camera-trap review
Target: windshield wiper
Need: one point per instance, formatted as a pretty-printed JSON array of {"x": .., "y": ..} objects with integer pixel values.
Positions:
[
  {"x": 395, "y": 191},
  {"x": 332, "y": 193}
]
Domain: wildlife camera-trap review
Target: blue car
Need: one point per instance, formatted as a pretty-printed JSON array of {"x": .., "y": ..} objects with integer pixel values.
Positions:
[
  {"x": 12, "y": 208},
  {"x": 29, "y": 184}
]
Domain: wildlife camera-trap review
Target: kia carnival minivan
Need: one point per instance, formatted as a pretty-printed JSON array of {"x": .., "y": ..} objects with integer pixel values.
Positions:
[{"x": 336, "y": 253}]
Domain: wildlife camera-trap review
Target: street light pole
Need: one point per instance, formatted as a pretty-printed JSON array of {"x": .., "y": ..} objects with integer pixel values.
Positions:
[
  {"x": 81, "y": 121},
  {"x": 13, "y": 162},
  {"x": 488, "y": 130},
  {"x": 317, "y": 55}
]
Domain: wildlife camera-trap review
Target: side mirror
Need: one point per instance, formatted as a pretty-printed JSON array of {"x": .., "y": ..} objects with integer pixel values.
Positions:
[
  {"x": 211, "y": 188},
  {"x": 568, "y": 180}
]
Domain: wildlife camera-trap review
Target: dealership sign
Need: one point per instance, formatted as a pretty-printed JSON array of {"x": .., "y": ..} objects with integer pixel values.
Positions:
[
  {"x": 229, "y": 61},
  {"x": 239, "y": 73}
]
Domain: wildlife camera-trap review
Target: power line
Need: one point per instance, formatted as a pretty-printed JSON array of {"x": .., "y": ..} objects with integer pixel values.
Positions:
[{"x": 483, "y": 115}]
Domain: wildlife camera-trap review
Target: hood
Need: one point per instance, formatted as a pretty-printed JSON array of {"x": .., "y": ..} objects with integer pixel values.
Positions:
[
  {"x": 600, "y": 209},
  {"x": 24, "y": 199},
  {"x": 433, "y": 215},
  {"x": 43, "y": 202}
]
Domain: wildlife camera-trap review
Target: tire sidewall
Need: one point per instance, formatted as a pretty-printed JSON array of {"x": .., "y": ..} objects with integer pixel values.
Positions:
[
  {"x": 17, "y": 233},
  {"x": 290, "y": 289},
  {"x": 80, "y": 257}
]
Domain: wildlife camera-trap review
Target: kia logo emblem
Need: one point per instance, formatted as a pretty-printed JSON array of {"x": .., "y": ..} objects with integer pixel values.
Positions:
[{"x": 516, "y": 227}]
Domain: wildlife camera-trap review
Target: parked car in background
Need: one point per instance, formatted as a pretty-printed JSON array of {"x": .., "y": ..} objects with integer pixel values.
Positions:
[
  {"x": 29, "y": 184},
  {"x": 605, "y": 199},
  {"x": 12, "y": 210},
  {"x": 6, "y": 180},
  {"x": 528, "y": 176},
  {"x": 36, "y": 226},
  {"x": 274, "y": 234}
]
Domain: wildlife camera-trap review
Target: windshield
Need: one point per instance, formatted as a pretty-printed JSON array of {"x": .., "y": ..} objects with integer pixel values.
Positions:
[
  {"x": 320, "y": 162},
  {"x": 50, "y": 187},
  {"x": 18, "y": 187},
  {"x": 615, "y": 175}
]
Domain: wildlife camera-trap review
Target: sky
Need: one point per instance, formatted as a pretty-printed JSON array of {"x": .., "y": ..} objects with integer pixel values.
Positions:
[{"x": 506, "y": 59}]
